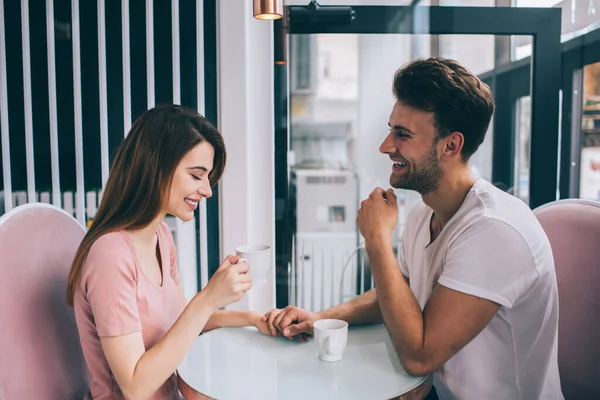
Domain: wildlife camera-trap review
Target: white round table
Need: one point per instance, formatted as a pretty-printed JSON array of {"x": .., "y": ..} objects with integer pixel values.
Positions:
[{"x": 242, "y": 363}]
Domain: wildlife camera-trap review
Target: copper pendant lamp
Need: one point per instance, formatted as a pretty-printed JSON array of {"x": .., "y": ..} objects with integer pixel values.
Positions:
[{"x": 268, "y": 9}]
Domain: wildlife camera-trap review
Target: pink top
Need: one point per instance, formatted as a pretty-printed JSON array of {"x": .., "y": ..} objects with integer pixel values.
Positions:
[{"x": 114, "y": 298}]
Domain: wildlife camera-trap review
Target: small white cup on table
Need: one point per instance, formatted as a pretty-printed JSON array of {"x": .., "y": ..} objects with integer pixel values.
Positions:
[{"x": 331, "y": 336}]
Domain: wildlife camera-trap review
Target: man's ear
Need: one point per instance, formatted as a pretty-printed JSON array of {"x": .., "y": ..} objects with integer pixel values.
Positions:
[{"x": 453, "y": 144}]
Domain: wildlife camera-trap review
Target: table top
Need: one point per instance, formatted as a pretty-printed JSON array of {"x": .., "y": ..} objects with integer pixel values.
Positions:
[{"x": 236, "y": 363}]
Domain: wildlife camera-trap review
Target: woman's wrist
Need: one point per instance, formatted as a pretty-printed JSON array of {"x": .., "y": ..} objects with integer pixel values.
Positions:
[
  {"x": 204, "y": 300},
  {"x": 253, "y": 317}
]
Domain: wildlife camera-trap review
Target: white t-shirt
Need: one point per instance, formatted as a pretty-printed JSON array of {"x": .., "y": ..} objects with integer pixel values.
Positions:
[{"x": 493, "y": 248}]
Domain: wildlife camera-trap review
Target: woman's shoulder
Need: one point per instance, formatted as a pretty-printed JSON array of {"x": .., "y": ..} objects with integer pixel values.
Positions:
[
  {"x": 109, "y": 257},
  {"x": 110, "y": 243},
  {"x": 112, "y": 250}
]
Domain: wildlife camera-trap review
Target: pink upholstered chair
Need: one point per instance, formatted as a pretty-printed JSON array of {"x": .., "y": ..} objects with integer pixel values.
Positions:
[
  {"x": 40, "y": 353},
  {"x": 573, "y": 227}
]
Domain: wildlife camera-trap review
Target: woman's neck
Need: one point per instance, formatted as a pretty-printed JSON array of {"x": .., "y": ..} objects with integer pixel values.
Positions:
[{"x": 146, "y": 236}]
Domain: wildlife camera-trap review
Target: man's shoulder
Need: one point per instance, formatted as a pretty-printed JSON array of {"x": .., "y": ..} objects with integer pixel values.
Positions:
[{"x": 500, "y": 207}]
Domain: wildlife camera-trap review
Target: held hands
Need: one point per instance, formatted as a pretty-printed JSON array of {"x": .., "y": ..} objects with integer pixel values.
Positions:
[
  {"x": 378, "y": 214},
  {"x": 229, "y": 282},
  {"x": 291, "y": 321},
  {"x": 262, "y": 326}
]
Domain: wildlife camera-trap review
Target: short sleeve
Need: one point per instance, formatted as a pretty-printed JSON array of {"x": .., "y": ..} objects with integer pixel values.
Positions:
[
  {"x": 491, "y": 260},
  {"x": 417, "y": 214},
  {"x": 111, "y": 286},
  {"x": 172, "y": 252},
  {"x": 402, "y": 260}
]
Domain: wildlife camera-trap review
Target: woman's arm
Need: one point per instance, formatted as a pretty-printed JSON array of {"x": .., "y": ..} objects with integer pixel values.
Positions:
[
  {"x": 223, "y": 318},
  {"x": 230, "y": 318},
  {"x": 140, "y": 373}
]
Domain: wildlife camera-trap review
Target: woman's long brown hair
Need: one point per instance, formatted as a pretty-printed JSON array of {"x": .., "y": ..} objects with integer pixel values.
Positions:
[{"x": 141, "y": 174}]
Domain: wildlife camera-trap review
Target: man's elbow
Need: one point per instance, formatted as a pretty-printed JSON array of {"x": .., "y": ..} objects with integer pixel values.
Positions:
[{"x": 417, "y": 367}]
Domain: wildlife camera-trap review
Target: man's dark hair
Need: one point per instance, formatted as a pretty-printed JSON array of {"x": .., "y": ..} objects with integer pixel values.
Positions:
[{"x": 459, "y": 100}]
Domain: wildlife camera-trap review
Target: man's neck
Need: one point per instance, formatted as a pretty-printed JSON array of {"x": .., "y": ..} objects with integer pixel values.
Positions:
[{"x": 450, "y": 194}]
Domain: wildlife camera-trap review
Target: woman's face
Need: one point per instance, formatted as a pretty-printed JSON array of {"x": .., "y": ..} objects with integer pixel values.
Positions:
[{"x": 190, "y": 182}]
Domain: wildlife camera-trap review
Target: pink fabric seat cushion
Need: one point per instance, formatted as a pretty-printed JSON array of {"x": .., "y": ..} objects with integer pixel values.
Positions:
[
  {"x": 40, "y": 353},
  {"x": 574, "y": 231}
]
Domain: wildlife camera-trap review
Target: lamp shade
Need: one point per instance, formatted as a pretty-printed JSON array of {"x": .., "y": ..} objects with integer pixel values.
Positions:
[{"x": 268, "y": 9}]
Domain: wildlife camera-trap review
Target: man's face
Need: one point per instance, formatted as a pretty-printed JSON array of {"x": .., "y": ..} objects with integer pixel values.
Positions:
[{"x": 412, "y": 147}]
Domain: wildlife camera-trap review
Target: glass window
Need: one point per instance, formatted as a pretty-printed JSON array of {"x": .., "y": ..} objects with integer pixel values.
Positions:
[
  {"x": 336, "y": 129},
  {"x": 578, "y": 18},
  {"x": 536, "y": 3},
  {"x": 460, "y": 48},
  {"x": 522, "y": 148},
  {"x": 468, "y": 3},
  {"x": 302, "y": 50},
  {"x": 357, "y": 2},
  {"x": 589, "y": 174}
]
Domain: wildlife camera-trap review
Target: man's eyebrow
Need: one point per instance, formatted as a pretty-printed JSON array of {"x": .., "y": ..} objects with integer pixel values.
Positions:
[
  {"x": 200, "y": 167},
  {"x": 401, "y": 128}
]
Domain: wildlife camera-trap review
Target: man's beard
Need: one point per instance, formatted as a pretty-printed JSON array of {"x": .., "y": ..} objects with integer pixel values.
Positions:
[{"x": 425, "y": 176}]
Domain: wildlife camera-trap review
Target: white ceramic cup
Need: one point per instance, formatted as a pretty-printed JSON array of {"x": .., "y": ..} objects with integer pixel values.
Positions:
[
  {"x": 259, "y": 257},
  {"x": 331, "y": 336}
]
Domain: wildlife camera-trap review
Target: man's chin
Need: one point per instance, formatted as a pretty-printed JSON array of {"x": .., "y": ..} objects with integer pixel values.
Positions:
[{"x": 397, "y": 181}]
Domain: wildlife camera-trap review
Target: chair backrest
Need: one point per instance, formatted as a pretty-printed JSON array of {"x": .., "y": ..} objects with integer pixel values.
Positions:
[
  {"x": 573, "y": 228},
  {"x": 40, "y": 353}
]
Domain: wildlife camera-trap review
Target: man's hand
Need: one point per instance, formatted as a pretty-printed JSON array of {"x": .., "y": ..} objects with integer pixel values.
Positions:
[
  {"x": 291, "y": 321},
  {"x": 378, "y": 214}
]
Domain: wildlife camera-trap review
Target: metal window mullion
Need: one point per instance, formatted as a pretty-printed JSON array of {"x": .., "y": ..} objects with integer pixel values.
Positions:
[
  {"x": 200, "y": 104},
  {"x": 126, "y": 66},
  {"x": 27, "y": 106},
  {"x": 6, "y": 172},
  {"x": 103, "y": 91},
  {"x": 150, "y": 52},
  {"x": 52, "y": 106},
  {"x": 80, "y": 191}
]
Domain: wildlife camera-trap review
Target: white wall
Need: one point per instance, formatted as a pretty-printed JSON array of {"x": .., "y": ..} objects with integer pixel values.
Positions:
[{"x": 246, "y": 115}]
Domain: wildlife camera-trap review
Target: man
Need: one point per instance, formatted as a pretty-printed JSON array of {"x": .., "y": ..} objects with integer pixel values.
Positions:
[{"x": 474, "y": 298}]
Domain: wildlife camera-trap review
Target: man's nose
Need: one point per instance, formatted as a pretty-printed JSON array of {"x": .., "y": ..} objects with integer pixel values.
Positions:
[{"x": 387, "y": 146}]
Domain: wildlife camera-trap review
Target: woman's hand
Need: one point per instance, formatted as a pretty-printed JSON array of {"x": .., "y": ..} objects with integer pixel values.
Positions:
[
  {"x": 229, "y": 283},
  {"x": 262, "y": 325},
  {"x": 268, "y": 319},
  {"x": 272, "y": 321}
]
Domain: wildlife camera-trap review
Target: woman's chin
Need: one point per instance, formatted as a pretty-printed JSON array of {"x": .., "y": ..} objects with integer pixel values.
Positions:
[{"x": 185, "y": 216}]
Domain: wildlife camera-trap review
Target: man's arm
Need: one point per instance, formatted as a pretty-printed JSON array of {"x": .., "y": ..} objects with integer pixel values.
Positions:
[
  {"x": 424, "y": 340},
  {"x": 292, "y": 321},
  {"x": 363, "y": 309}
]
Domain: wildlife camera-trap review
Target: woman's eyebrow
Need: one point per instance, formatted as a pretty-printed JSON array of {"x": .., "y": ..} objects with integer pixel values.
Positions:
[{"x": 199, "y": 167}]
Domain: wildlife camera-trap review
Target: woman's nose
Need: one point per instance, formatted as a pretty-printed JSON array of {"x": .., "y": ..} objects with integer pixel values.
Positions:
[{"x": 205, "y": 190}]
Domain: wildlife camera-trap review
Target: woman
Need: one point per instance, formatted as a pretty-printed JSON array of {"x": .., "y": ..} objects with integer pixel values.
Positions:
[{"x": 134, "y": 325}]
